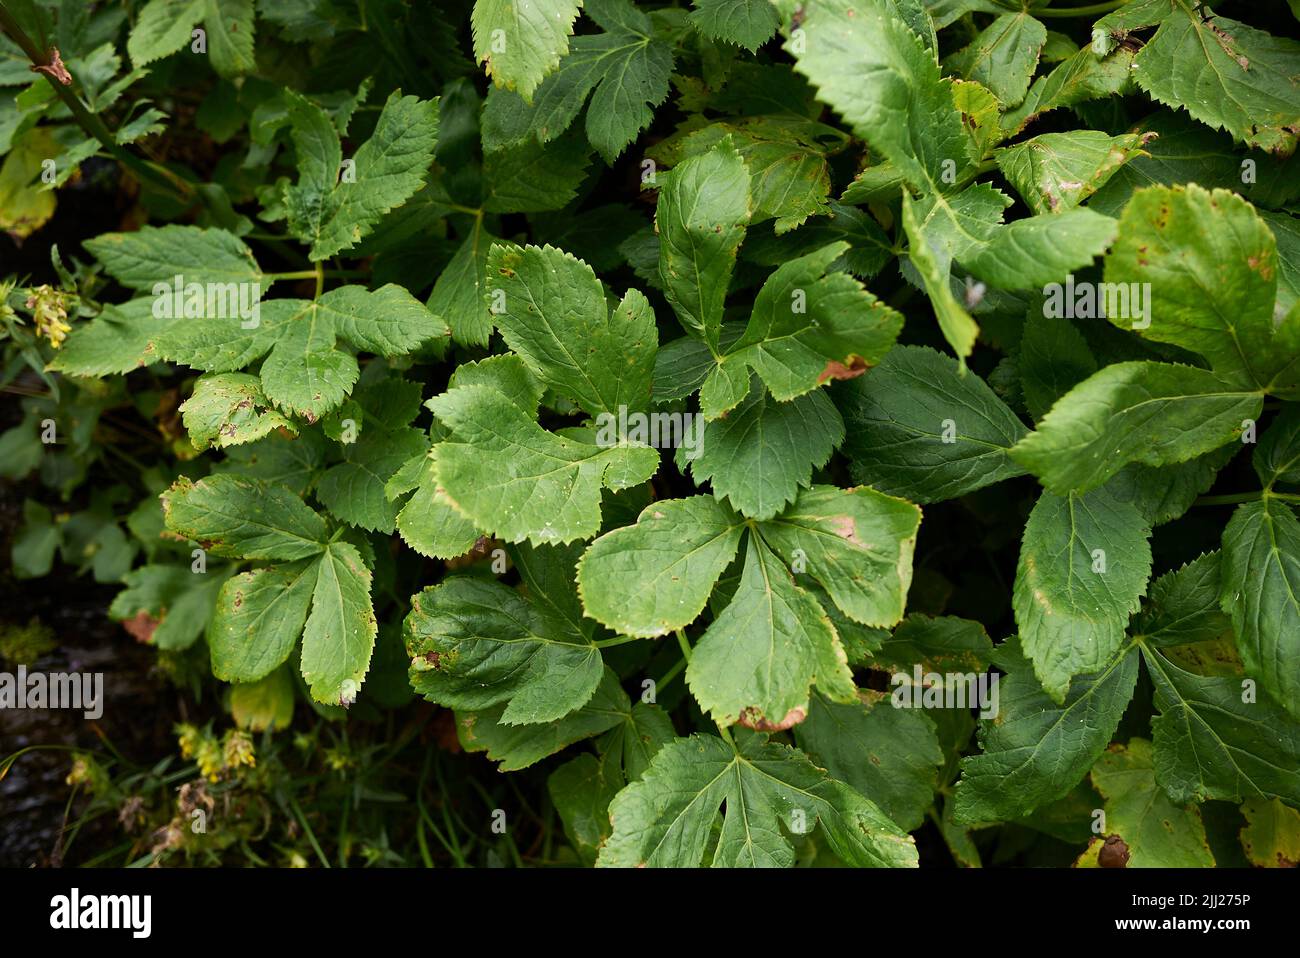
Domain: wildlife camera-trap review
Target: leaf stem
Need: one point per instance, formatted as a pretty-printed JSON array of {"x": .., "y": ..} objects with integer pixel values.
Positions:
[
  {"x": 1079, "y": 11},
  {"x": 313, "y": 273},
  {"x": 320, "y": 280},
  {"x": 1236, "y": 498},
  {"x": 685, "y": 643},
  {"x": 617, "y": 640},
  {"x": 87, "y": 119}
]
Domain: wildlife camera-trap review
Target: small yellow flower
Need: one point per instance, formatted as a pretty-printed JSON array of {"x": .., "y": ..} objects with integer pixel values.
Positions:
[
  {"x": 50, "y": 312},
  {"x": 239, "y": 749},
  {"x": 189, "y": 738}
]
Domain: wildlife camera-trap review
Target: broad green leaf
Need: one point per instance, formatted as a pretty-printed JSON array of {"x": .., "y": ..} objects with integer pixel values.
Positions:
[
  {"x": 1033, "y": 252},
  {"x": 353, "y": 490},
  {"x": 943, "y": 644},
  {"x": 178, "y": 600},
  {"x": 118, "y": 341},
  {"x": 163, "y": 27},
  {"x": 518, "y": 481},
  {"x": 762, "y": 452},
  {"x": 759, "y": 659},
  {"x": 268, "y": 704},
  {"x": 519, "y": 746},
  {"x": 624, "y": 71},
  {"x": 1260, "y": 590},
  {"x": 701, "y": 216},
  {"x": 1271, "y": 838},
  {"x": 890, "y": 755},
  {"x": 292, "y": 461},
  {"x": 857, "y": 543},
  {"x": 475, "y": 644},
  {"x": 428, "y": 522},
  {"x": 1210, "y": 265},
  {"x": 1077, "y": 79},
  {"x": 1158, "y": 833},
  {"x": 1183, "y": 606},
  {"x": 1003, "y": 56},
  {"x": 532, "y": 178},
  {"x": 873, "y": 70},
  {"x": 1277, "y": 457},
  {"x": 154, "y": 255},
  {"x": 656, "y": 576},
  {"x": 1226, "y": 74},
  {"x": 1084, "y": 565},
  {"x": 1053, "y": 359},
  {"x": 1056, "y": 172},
  {"x": 555, "y": 317},
  {"x": 581, "y": 790},
  {"x": 230, "y": 27},
  {"x": 520, "y": 41},
  {"x": 1217, "y": 739},
  {"x": 920, "y": 428},
  {"x": 807, "y": 327},
  {"x": 340, "y": 632},
  {"x": 932, "y": 266},
  {"x": 457, "y": 295},
  {"x": 260, "y": 615},
  {"x": 744, "y": 23},
  {"x": 228, "y": 409},
  {"x": 1152, "y": 413},
  {"x": 333, "y": 211},
  {"x": 1035, "y": 750},
  {"x": 1165, "y": 493},
  {"x": 667, "y": 819},
  {"x": 232, "y": 516}
]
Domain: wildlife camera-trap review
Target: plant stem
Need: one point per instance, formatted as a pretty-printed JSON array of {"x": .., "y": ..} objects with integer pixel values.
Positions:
[
  {"x": 313, "y": 273},
  {"x": 320, "y": 281},
  {"x": 685, "y": 644},
  {"x": 88, "y": 120},
  {"x": 1079, "y": 11},
  {"x": 1236, "y": 498},
  {"x": 617, "y": 640}
]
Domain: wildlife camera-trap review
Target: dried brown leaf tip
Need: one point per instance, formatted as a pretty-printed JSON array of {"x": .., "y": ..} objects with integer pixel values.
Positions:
[
  {"x": 753, "y": 718},
  {"x": 55, "y": 68},
  {"x": 837, "y": 370}
]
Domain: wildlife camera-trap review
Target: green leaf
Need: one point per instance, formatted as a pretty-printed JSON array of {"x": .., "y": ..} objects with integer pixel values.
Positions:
[
  {"x": 353, "y": 490},
  {"x": 1084, "y": 565},
  {"x": 230, "y": 28},
  {"x": 520, "y": 41},
  {"x": 1035, "y": 750},
  {"x": 476, "y": 644},
  {"x": 1056, "y": 172},
  {"x": 340, "y": 632},
  {"x": 656, "y": 576},
  {"x": 1260, "y": 590},
  {"x": 857, "y": 543},
  {"x": 921, "y": 428},
  {"x": 1003, "y": 56},
  {"x": 519, "y": 746},
  {"x": 556, "y": 319},
  {"x": 333, "y": 213},
  {"x": 758, "y": 661},
  {"x": 932, "y": 266},
  {"x": 179, "y": 600},
  {"x": 532, "y": 178},
  {"x": 1034, "y": 252},
  {"x": 457, "y": 295},
  {"x": 624, "y": 71},
  {"x": 518, "y": 481},
  {"x": 807, "y": 327},
  {"x": 1054, "y": 358},
  {"x": 259, "y": 616},
  {"x": 231, "y": 516},
  {"x": 888, "y": 754},
  {"x": 428, "y": 522},
  {"x": 1226, "y": 74},
  {"x": 1183, "y": 606},
  {"x": 701, "y": 216},
  {"x": 1277, "y": 457},
  {"x": 228, "y": 409},
  {"x": 1271, "y": 838},
  {"x": 1153, "y": 413},
  {"x": 1158, "y": 833},
  {"x": 1210, "y": 265},
  {"x": 117, "y": 341},
  {"x": 760, "y": 455},
  {"x": 268, "y": 704},
  {"x": 1210, "y": 744},
  {"x": 744, "y": 23},
  {"x": 1077, "y": 79},
  {"x": 163, "y": 27},
  {"x": 667, "y": 818},
  {"x": 873, "y": 70},
  {"x": 158, "y": 254}
]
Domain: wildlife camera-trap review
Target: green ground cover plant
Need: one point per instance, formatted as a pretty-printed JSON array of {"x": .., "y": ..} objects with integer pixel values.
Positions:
[{"x": 848, "y": 432}]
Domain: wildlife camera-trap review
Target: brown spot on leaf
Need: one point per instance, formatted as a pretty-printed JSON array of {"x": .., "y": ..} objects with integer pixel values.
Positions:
[
  {"x": 141, "y": 626},
  {"x": 752, "y": 717},
  {"x": 1114, "y": 853},
  {"x": 837, "y": 370}
]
